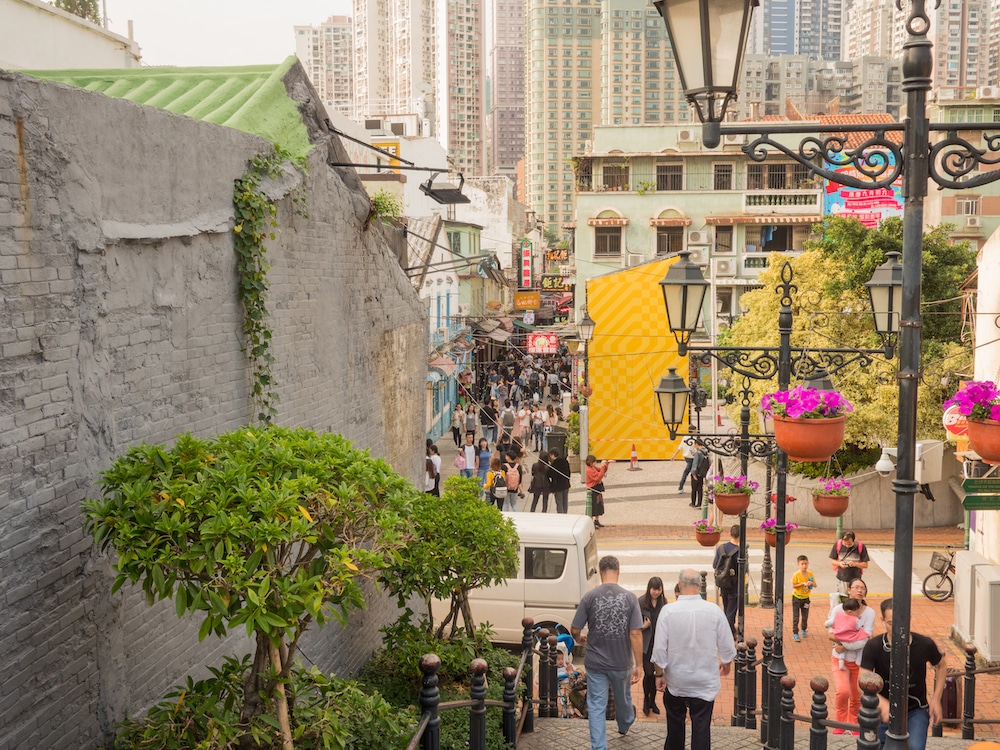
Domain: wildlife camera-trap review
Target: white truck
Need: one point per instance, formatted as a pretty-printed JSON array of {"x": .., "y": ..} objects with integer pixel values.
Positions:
[{"x": 557, "y": 564}]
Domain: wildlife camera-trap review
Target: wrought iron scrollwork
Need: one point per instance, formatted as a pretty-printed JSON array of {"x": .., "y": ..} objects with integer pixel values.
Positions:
[
  {"x": 875, "y": 163},
  {"x": 954, "y": 160},
  {"x": 760, "y": 446}
]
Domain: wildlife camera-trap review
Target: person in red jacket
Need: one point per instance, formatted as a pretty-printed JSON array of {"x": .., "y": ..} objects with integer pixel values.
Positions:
[{"x": 595, "y": 488}]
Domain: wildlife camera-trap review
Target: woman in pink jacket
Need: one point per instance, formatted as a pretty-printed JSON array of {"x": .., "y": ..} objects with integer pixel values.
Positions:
[{"x": 595, "y": 488}]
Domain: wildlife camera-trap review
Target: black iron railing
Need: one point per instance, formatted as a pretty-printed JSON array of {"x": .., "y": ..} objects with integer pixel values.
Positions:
[{"x": 968, "y": 720}]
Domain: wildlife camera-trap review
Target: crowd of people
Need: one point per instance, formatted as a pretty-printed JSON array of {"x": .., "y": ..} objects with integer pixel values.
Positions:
[{"x": 682, "y": 649}]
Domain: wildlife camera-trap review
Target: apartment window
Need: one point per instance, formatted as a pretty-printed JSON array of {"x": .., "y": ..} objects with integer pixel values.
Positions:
[
  {"x": 966, "y": 206},
  {"x": 669, "y": 240},
  {"x": 722, "y": 176},
  {"x": 615, "y": 176},
  {"x": 669, "y": 176},
  {"x": 776, "y": 176},
  {"x": 607, "y": 242},
  {"x": 724, "y": 239}
]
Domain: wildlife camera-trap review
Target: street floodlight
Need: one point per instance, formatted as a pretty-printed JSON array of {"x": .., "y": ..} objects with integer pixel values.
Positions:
[
  {"x": 672, "y": 393},
  {"x": 708, "y": 38},
  {"x": 684, "y": 289},
  {"x": 444, "y": 193},
  {"x": 585, "y": 327},
  {"x": 885, "y": 290}
]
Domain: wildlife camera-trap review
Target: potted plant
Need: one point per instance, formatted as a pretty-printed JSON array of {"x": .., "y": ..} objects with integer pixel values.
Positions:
[
  {"x": 830, "y": 499},
  {"x": 732, "y": 494},
  {"x": 808, "y": 422},
  {"x": 770, "y": 529},
  {"x": 706, "y": 534},
  {"x": 979, "y": 402}
]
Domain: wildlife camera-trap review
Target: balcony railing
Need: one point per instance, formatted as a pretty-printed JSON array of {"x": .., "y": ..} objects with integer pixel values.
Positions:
[{"x": 782, "y": 201}]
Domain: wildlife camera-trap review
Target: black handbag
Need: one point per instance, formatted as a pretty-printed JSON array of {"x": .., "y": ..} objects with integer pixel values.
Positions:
[{"x": 599, "y": 487}]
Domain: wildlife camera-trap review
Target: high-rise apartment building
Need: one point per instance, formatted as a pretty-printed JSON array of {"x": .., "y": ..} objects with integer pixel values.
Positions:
[
  {"x": 589, "y": 63},
  {"x": 505, "y": 117},
  {"x": 459, "y": 44},
  {"x": 960, "y": 33},
  {"x": 811, "y": 28},
  {"x": 327, "y": 53}
]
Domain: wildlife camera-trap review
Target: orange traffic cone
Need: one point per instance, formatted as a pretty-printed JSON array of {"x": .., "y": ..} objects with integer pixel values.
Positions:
[{"x": 634, "y": 460}]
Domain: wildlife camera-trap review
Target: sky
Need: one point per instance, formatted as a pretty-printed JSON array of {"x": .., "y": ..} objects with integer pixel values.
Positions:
[{"x": 218, "y": 32}]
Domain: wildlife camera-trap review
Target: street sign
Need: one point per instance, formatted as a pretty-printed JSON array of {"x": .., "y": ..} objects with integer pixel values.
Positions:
[
  {"x": 981, "y": 485},
  {"x": 981, "y": 502}
]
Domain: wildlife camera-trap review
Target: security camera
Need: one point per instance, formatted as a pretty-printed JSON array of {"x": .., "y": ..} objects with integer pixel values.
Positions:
[{"x": 885, "y": 466}]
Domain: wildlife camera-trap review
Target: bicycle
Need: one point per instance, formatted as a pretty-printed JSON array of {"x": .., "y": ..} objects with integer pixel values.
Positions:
[{"x": 938, "y": 586}]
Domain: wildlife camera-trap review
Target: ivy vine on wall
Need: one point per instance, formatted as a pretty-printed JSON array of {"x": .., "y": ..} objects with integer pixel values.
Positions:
[{"x": 256, "y": 216}]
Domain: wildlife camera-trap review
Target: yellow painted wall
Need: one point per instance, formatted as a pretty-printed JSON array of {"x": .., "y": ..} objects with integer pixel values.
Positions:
[{"x": 629, "y": 354}]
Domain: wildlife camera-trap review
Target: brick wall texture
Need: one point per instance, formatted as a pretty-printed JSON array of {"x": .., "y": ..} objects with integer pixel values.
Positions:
[{"x": 119, "y": 324}]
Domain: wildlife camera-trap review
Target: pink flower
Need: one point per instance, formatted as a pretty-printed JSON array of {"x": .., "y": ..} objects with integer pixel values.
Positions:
[{"x": 803, "y": 402}]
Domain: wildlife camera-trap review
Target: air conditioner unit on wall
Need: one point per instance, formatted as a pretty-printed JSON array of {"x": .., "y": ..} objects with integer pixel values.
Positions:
[
  {"x": 698, "y": 237},
  {"x": 723, "y": 267},
  {"x": 687, "y": 136},
  {"x": 973, "y": 222},
  {"x": 699, "y": 256},
  {"x": 988, "y": 92},
  {"x": 463, "y": 310},
  {"x": 733, "y": 139},
  {"x": 986, "y": 627},
  {"x": 633, "y": 259}
]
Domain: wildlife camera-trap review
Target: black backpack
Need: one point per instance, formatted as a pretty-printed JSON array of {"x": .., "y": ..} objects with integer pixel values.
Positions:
[
  {"x": 499, "y": 488},
  {"x": 701, "y": 464},
  {"x": 725, "y": 572}
]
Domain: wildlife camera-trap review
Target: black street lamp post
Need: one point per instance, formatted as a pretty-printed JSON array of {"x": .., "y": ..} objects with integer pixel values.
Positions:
[{"x": 697, "y": 30}]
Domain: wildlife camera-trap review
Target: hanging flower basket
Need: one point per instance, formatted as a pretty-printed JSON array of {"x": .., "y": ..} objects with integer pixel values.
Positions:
[
  {"x": 732, "y": 505},
  {"x": 808, "y": 422},
  {"x": 772, "y": 539},
  {"x": 832, "y": 497},
  {"x": 769, "y": 526},
  {"x": 706, "y": 534},
  {"x": 809, "y": 439},
  {"x": 732, "y": 494},
  {"x": 979, "y": 402},
  {"x": 984, "y": 438}
]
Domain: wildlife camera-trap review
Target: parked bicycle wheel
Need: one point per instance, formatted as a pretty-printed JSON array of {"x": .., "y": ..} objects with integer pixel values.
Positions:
[{"x": 938, "y": 587}]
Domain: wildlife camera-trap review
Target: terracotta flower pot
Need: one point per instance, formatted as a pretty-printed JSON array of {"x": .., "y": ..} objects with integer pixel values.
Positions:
[
  {"x": 772, "y": 539},
  {"x": 809, "y": 439},
  {"x": 831, "y": 506},
  {"x": 732, "y": 505},
  {"x": 984, "y": 438},
  {"x": 707, "y": 538}
]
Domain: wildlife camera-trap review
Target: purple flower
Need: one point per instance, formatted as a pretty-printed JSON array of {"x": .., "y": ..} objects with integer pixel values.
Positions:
[
  {"x": 770, "y": 526},
  {"x": 732, "y": 485},
  {"x": 833, "y": 486},
  {"x": 803, "y": 402},
  {"x": 979, "y": 399}
]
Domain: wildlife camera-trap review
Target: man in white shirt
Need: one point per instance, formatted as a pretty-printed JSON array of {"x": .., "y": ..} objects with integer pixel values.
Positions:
[
  {"x": 471, "y": 455},
  {"x": 692, "y": 650}
]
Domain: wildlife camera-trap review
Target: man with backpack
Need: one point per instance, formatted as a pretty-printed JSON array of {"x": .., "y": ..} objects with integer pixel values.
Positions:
[
  {"x": 849, "y": 559},
  {"x": 726, "y": 570},
  {"x": 512, "y": 473},
  {"x": 700, "y": 464},
  {"x": 508, "y": 417}
]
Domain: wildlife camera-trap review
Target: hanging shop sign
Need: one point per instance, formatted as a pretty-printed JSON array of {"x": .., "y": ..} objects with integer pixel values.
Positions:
[{"x": 543, "y": 343}]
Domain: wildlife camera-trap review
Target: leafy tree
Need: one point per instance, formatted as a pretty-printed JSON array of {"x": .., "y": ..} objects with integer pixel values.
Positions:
[
  {"x": 87, "y": 9},
  {"x": 460, "y": 543},
  {"x": 268, "y": 528}
]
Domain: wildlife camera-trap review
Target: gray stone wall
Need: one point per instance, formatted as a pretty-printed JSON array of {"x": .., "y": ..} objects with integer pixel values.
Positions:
[{"x": 120, "y": 324}]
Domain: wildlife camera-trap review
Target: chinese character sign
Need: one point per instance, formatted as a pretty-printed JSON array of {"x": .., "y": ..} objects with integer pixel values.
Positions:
[
  {"x": 543, "y": 343},
  {"x": 525, "y": 264},
  {"x": 556, "y": 283},
  {"x": 869, "y": 206}
]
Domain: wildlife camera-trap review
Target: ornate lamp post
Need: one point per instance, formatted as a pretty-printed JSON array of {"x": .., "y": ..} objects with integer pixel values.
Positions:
[
  {"x": 697, "y": 32},
  {"x": 753, "y": 363},
  {"x": 585, "y": 332}
]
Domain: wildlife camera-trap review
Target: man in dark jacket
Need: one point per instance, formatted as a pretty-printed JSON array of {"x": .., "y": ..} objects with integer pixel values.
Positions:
[{"x": 558, "y": 475}]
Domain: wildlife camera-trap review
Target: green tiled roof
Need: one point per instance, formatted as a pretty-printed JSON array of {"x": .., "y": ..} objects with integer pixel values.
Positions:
[{"x": 252, "y": 98}]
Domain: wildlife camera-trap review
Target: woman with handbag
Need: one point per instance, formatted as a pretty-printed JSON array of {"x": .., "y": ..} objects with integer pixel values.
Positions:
[{"x": 595, "y": 488}]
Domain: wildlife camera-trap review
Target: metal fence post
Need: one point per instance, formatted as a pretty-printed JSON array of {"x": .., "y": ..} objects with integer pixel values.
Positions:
[
  {"x": 430, "y": 697},
  {"x": 869, "y": 716},
  {"x": 765, "y": 686},
  {"x": 543, "y": 674},
  {"x": 818, "y": 713},
  {"x": 969, "y": 697},
  {"x": 739, "y": 698},
  {"x": 477, "y": 712},
  {"x": 786, "y": 738},
  {"x": 510, "y": 708},
  {"x": 704, "y": 584},
  {"x": 751, "y": 685},
  {"x": 527, "y": 649}
]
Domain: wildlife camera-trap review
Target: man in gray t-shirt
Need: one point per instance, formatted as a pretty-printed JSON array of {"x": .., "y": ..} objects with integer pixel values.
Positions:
[{"x": 614, "y": 650}]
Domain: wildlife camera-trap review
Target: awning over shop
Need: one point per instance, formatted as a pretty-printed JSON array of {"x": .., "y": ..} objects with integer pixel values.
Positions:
[
  {"x": 763, "y": 220},
  {"x": 525, "y": 326},
  {"x": 622, "y": 222},
  {"x": 444, "y": 364},
  {"x": 498, "y": 335},
  {"x": 674, "y": 222}
]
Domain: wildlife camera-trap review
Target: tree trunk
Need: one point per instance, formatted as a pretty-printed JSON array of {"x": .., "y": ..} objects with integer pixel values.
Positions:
[{"x": 281, "y": 702}]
